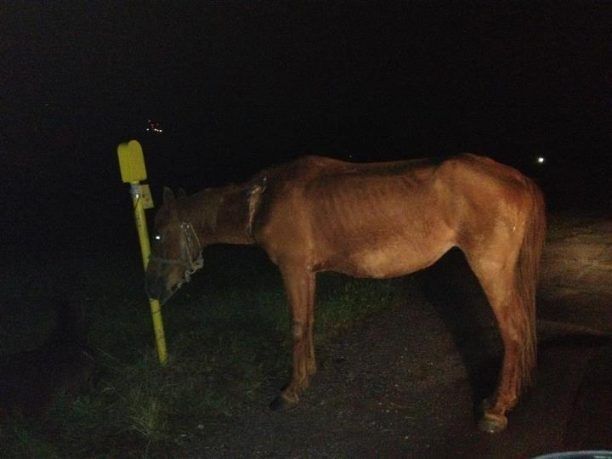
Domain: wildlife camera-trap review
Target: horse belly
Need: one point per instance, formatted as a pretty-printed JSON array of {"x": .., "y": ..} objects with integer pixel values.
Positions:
[{"x": 386, "y": 262}]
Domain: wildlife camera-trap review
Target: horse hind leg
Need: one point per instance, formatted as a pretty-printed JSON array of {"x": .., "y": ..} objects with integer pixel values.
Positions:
[{"x": 498, "y": 278}]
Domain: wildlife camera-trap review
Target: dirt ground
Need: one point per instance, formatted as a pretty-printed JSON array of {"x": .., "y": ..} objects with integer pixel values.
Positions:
[{"x": 409, "y": 382}]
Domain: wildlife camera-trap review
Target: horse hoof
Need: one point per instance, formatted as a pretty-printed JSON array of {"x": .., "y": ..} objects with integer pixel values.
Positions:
[
  {"x": 280, "y": 403},
  {"x": 492, "y": 423}
]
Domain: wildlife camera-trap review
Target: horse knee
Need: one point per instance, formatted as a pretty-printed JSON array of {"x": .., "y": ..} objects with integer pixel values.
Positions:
[{"x": 298, "y": 331}]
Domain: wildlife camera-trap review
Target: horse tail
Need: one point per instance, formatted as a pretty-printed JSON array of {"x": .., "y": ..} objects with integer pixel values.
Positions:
[{"x": 528, "y": 268}]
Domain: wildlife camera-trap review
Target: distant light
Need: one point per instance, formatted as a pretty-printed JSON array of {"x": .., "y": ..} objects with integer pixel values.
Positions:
[
  {"x": 154, "y": 126},
  {"x": 540, "y": 159}
]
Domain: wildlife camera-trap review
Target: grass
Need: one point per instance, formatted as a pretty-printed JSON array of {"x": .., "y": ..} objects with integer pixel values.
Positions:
[{"x": 228, "y": 339}]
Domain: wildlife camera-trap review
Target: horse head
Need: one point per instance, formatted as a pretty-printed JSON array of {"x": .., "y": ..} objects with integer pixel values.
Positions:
[{"x": 175, "y": 253}]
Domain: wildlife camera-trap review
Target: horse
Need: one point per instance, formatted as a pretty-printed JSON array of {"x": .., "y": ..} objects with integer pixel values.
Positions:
[{"x": 372, "y": 220}]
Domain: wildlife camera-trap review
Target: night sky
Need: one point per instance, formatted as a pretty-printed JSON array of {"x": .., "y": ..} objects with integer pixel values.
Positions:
[{"x": 237, "y": 86}]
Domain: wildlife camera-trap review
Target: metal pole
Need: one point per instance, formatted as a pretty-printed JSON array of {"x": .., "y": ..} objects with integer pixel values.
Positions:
[
  {"x": 145, "y": 249},
  {"x": 133, "y": 171}
]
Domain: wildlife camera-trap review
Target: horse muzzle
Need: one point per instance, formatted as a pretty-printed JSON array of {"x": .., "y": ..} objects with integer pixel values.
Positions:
[{"x": 157, "y": 290}]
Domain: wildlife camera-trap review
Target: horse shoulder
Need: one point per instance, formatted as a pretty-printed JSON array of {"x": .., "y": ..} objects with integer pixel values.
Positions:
[{"x": 281, "y": 224}]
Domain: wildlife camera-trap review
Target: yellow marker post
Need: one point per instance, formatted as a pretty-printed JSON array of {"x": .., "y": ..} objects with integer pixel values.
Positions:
[{"x": 133, "y": 171}]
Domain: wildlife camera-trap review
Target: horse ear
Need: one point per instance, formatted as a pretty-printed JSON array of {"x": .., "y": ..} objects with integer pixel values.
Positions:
[
  {"x": 168, "y": 195},
  {"x": 181, "y": 193}
]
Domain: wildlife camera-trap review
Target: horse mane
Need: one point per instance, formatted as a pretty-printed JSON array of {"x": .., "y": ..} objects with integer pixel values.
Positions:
[{"x": 231, "y": 209}]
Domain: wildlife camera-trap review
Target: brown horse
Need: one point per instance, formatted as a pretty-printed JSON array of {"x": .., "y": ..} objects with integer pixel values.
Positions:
[{"x": 376, "y": 220}]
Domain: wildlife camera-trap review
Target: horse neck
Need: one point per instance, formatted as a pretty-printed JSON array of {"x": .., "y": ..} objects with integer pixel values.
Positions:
[{"x": 218, "y": 215}]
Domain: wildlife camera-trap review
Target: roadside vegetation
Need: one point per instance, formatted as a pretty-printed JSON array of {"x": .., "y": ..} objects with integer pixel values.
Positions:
[{"x": 228, "y": 340}]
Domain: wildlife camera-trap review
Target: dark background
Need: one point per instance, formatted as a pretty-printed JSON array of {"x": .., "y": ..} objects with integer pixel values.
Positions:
[{"x": 237, "y": 86}]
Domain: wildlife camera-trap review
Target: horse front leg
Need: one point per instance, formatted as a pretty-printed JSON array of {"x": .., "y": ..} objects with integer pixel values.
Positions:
[
  {"x": 311, "y": 362},
  {"x": 300, "y": 288}
]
